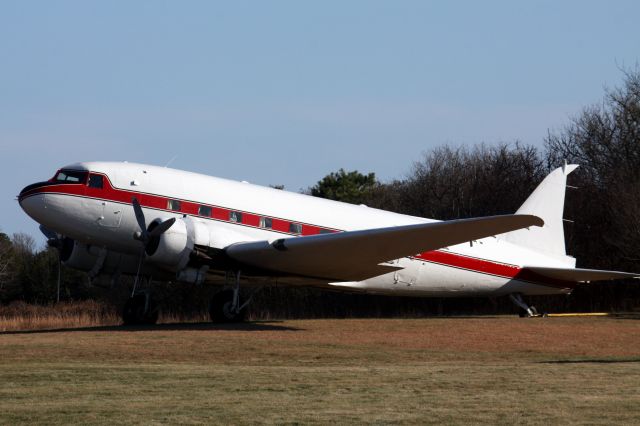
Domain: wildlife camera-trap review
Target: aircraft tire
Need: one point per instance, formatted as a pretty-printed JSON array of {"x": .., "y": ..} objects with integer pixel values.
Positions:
[
  {"x": 219, "y": 311},
  {"x": 133, "y": 312}
]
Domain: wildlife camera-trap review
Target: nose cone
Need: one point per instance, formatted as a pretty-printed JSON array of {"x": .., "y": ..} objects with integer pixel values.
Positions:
[
  {"x": 34, "y": 205},
  {"x": 32, "y": 199},
  {"x": 24, "y": 192},
  {"x": 31, "y": 189}
]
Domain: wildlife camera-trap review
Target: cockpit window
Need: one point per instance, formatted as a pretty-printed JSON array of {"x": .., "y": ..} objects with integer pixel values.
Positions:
[
  {"x": 95, "y": 181},
  {"x": 69, "y": 176}
]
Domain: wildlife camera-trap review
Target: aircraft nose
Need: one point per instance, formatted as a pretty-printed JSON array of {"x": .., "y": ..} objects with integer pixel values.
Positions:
[
  {"x": 29, "y": 188},
  {"x": 32, "y": 200},
  {"x": 23, "y": 193},
  {"x": 33, "y": 205}
]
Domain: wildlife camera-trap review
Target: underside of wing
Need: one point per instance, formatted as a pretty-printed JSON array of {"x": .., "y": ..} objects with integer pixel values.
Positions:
[
  {"x": 358, "y": 255},
  {"x": 579, "y": 275}
]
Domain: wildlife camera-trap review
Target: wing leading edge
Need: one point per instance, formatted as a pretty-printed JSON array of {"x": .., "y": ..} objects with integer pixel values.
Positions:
[{"x": 357, "y": 255}]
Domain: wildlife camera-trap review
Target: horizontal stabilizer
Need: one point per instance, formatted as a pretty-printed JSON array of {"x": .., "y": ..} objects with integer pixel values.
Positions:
[
  {"x": 579, "y": 275},
  {"x": 357, "y": 255}
]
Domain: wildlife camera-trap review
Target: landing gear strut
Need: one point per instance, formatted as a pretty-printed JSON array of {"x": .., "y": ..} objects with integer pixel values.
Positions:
[
  {"x": 222, "y": 308},
  {"x": 226, "y": 306},
  {"x": 525, "y": 310},
  {"x": 140, "y": 309}
]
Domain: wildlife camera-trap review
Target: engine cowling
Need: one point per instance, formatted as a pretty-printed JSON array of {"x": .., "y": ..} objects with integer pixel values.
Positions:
[
  {"x": 172, "y": 248},
  {"x": 96, "y": 260},
  {"x": 168, "y": 253},
  {"x": 76, "y": 255}
]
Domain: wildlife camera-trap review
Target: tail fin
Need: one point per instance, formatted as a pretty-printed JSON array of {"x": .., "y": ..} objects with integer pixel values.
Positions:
[{"x": 546, "y": 202}]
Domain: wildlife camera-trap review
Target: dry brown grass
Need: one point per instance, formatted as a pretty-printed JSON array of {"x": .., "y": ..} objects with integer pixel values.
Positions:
[
  {"x": 501, "y": 370},
  {"x": 23, "y": 316}
]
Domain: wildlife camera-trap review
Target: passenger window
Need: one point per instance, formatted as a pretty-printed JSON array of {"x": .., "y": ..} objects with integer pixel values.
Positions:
[
  {"x": 173, "y": 205},
  {"x": 266, "y": 223},
  {"x": 235, "y": 216},
  {"x": 295, "y": 228},
  {"x": 95, "y": 181},
  {"x": 204, "y": 211}
]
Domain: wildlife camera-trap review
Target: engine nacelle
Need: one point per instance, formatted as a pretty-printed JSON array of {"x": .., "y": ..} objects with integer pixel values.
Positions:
[
  {"x": 97, "y": 260},
  {"x": 76, "y": 255},
  {"x": 167, "y": 256},
  {"x": 171, "y": 249}
]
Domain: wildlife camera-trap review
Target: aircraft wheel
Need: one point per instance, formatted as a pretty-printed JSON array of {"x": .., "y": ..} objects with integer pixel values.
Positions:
[
  {"x": 220, "y": 308},
  {"x": 134, "y": 312}
]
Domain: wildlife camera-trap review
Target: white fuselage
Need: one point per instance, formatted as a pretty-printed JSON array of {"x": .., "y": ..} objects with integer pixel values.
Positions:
[{"x": 104, "y": 217}]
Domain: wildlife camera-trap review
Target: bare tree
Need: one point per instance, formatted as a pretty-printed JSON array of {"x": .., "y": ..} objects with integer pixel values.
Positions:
[
  {"x": 5, "y": 259},
  {"x": 605, "y": 140},
  {"x": 23, "y": 244},
  {"x": 452, "y": 183}
]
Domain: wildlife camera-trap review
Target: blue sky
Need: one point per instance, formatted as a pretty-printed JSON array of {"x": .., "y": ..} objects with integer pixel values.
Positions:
[{"x": 284, "y": 92}]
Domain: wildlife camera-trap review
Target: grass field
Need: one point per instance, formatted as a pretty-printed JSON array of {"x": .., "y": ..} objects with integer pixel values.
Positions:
[{"x": 501, "y": 370}]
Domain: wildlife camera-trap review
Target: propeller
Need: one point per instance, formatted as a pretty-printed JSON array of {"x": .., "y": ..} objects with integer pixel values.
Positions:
[
  {"x": 145, "y": 235},
  {"x": 53, "y": 238},
  {"x": 56, "y": 241}
]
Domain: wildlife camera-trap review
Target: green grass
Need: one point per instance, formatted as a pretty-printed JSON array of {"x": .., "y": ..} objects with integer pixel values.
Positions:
[{"x": 451, "y": 371}]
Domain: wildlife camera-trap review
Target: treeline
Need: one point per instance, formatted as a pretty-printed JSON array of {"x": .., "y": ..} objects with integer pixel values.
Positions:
[
  {"x": 29, "y": 273},
  {"x": 602, "y": 212}
]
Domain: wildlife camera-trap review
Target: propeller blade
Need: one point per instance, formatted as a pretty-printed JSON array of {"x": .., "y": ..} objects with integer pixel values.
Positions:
[
  {"x": 137, "y": 209},
  {"x": 51, "y": 235},
  {"x": 140, "y": 262},
  {"x": 162, "y": 228}
]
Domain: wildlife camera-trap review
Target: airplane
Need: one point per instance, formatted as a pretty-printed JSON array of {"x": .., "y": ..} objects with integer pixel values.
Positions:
[{"x": 113, "y": 218}]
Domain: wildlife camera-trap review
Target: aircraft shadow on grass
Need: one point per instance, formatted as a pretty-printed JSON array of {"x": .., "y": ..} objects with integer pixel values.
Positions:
[
  {"x": 592, "y": 361},
  {"x": 254, "y": 326}
]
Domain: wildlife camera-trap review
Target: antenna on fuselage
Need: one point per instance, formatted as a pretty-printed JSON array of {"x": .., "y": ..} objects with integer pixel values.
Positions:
[{"x": 171, "y": 161}]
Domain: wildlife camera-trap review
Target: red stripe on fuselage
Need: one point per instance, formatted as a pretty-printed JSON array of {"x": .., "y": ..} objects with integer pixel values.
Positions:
[
  {"x": 441, "y": 257},
  {"x": 483, "y": 266},
  {"x": 111, "y": 193}
]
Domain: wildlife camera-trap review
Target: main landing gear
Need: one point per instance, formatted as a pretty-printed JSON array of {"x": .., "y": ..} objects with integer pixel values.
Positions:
[
  {"x": 140, "y": 309},
  {"x": 226, "y": 306},
  {"x": 525, "y": 310}
]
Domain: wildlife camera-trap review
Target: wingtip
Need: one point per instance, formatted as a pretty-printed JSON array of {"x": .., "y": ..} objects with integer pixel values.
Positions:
[{"x": 534, "y": 220}]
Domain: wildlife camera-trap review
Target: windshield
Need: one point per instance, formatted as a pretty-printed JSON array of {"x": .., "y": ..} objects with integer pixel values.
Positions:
[{"x": 70, "y": 176}]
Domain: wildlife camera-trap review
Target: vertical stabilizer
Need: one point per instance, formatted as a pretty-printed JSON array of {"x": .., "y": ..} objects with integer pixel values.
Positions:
[{"x": 546, "y": 202}]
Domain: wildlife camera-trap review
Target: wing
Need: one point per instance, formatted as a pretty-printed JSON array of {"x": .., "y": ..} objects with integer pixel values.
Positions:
[
  {"x": 579, "y": 275},
  {"x": 357, "y": 255}
]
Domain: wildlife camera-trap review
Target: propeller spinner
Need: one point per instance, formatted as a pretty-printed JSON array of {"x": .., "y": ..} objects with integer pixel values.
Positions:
[{"x": 144, "y": 234}]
